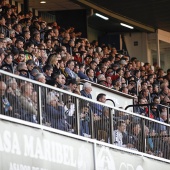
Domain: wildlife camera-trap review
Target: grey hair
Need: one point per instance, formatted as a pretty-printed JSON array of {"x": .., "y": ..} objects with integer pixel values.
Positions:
[
  {"x": 100, "y": 76},
  {"x": 50, "y": 96},
  {"x": 86, "y": 85},
  {"x": 20, "y": 66},
  {"x": 38, "y": 76},
  {"x": 10, "y": 81}
]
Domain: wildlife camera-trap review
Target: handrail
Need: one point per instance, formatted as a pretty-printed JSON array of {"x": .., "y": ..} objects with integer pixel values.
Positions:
[
  {"x": 77, "y": 97},
  {"x": 111, "y": 101},
  {"x": 151, "y": 104},
  {"x": 109, "y": 89},
  {"x": 56, "y": 131}
]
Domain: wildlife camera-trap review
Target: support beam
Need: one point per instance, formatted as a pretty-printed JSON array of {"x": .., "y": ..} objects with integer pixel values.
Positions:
[
  {"x": 26, "y": 6},
  {"x": 158, "y": 50}
]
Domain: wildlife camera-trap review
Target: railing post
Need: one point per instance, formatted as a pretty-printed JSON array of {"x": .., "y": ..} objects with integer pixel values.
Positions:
[
  {"x": 95, "y": 156},
  {"x": 92, "y": 124},
  {"x": 77, "y": 116},
  {"x": 39, "y": 105},
  {"x": 111, "y": 124},
  {"x": 168, "y": 114},
  {"x": 143, "y": 141}
]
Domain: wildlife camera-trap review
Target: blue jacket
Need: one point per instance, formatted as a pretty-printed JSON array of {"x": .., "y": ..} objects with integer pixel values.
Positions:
[
  {"x": 83, "y": 93},
  {"x": 56, "y": 117},
  {"x": 82, "y": 75}
]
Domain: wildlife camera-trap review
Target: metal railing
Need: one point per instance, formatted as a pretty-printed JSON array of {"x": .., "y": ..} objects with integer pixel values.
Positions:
[{"x": 39, "y": 103}]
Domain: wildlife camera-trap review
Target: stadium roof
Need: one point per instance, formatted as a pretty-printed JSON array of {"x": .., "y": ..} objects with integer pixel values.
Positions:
[{"x": 144, "y": 15}]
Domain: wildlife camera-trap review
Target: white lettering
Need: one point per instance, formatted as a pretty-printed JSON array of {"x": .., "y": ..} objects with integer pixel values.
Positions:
[
  {"x": 66, "y": 155},
  {"x": 1, "y": 144},
  {"x": 130, "y": 167},
  {"x": 38, "y": 151},
  {"x": 14, "y": 166},
  {"x": 122, "y": 165},
  {"x": 73, "y": 162},
  {"x": 29, "y": 151},
  {"x": 7, "y": 141},
  {"x": 15, "y": 145},
  {"x": 59, "y": 153},
  {"x": 35, "y": 168},
  {"x": 53, "y": 152},
  {"x": 47, "y": 150}
]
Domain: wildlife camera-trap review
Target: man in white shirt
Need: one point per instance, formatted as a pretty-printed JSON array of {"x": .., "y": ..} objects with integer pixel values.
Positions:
[{"x": 117, "y": 134}]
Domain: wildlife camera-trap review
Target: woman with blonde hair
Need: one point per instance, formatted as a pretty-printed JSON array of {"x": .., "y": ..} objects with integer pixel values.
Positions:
[{"x": 53, "y": 61}]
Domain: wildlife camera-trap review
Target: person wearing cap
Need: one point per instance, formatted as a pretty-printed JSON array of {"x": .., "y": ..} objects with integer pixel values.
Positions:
[{"x": 23, "y": 70}]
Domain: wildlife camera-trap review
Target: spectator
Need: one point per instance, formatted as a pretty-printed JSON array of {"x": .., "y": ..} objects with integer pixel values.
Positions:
[
  {"x": 101, "y": 79},
  {"x": 7, "y": 64},
  {"x": 162, "y": 118},
  {"x": 133, "y": 137},
  {"x": 72, "y": 86},
  {"x": 27, "y": 105},
  {"x": 69, "y": 69},
  {"x": 81, "y": 72},
  {"x": 102, "y": 126},
  {"x": 40, "y": 77},
  {"x": 142, "y": 110},
  {"x": 55, "y": 113},
  {"x": 58, "y": 81},
  {"x": 90, "y": 75},
  {"x": 118, "y": 133},
  {"x": 5, "y": 106},
  {"x": 97, "y": 108},
  {"x": 86, "y": 92},
  {"x": 84, "y": 121},
  {"x": 48, "y": 70},
  {"x": 29, "y": 47}
]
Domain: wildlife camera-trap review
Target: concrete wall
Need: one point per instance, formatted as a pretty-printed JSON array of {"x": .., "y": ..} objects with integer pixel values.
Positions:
[
  {"x": 93, "y": 34},
  {"x": 137, "y": 45}
]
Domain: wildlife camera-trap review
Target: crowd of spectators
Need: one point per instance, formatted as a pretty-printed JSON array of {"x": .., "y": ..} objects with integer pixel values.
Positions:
[{"x": 60, "y": 57}]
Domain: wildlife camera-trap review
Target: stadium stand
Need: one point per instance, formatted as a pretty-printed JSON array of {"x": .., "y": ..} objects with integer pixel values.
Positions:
[{"x": 43, "y": 53}]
